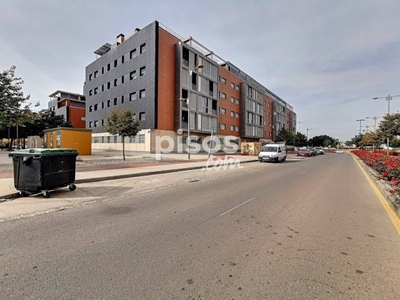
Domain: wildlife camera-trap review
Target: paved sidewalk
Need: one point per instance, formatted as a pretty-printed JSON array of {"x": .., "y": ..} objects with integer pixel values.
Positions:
[{"x": 99, "y": 172}]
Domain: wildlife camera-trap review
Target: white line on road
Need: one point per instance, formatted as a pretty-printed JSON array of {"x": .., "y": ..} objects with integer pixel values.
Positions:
[
  {"x": 235, "y": 207},
  {"x": 303, "y": 172}
]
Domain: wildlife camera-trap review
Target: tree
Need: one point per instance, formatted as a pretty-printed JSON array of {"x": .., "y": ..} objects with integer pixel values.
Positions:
[
  {"x": 12, "y": 99},
  {"x": 390, "y": 126},
  {"x": 371, "y": 139},
  {"x": 322, "y": 140},
  {"x": 356, "y": 140},
  {"x": 284, "y": 136},
  {"x": 46, "y": 119},
  {"x": 301, "y": 139},
  {"x": 122, "y": 123}
]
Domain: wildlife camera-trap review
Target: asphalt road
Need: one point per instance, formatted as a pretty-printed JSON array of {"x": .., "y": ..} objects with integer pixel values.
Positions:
[{"x": 311, "y": 229}]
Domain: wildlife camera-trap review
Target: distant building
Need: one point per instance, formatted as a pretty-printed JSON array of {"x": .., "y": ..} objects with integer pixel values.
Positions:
[{"x": 69, "y": 105}]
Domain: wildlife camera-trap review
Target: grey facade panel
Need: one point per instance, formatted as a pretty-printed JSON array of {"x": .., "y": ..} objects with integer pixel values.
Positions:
[{"x": 147, "y": 82}]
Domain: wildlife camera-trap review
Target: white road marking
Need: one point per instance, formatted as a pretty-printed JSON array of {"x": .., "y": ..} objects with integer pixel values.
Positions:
[
  {"x": 235, "y": 207},
  {"x": 303, "y": 172}
]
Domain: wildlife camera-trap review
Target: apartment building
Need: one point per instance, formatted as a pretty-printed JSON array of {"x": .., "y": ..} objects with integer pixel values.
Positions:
[
  {"x": 70, "y": 105},
  {"x": 173, "y": 84}
]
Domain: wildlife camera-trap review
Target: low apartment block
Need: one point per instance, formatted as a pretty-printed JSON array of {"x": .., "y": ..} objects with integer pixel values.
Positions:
[
  {"x": 70, "y": 105},
  {"x": 173, "y": 84}
]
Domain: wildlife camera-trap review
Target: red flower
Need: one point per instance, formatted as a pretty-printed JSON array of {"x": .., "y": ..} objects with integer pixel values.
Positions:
[
  {"x": 391, "y": 191},
  {"x": 385, "y": 174}
]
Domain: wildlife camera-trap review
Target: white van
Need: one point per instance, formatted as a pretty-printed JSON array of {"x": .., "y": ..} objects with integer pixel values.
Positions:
[{"x": 272, "y": 152}]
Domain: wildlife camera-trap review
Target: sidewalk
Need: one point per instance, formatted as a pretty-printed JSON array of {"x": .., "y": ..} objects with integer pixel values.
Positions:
[{"x": 89, "y": 171}]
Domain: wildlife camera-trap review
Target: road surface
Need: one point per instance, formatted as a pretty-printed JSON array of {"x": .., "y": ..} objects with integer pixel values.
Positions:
[{"x": 310, "y": 229}]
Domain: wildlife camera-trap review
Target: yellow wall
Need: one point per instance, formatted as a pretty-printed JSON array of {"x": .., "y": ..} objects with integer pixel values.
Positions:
[{"x": 81, "y": 140}]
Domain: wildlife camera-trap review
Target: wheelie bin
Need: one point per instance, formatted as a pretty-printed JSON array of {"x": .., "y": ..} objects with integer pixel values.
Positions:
[{"x": 43, "y": 170}]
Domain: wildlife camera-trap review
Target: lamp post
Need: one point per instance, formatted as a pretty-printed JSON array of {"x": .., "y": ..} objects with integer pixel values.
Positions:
[
  {"x": 360, "y": 120},
  {"x": 388, "y": 98},
  {"x": 374, "y": 118},
  {"x": 307, "y": 132},
  {"x": 188, "y": 104},
  {"x": 294, "y": 135}
]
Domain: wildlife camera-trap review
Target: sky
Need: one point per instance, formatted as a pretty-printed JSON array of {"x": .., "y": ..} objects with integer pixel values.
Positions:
[{"x": 328, "y": 59}]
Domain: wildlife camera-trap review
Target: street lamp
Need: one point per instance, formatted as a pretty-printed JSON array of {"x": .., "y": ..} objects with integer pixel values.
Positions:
[
  {"x": 294, "y": 135},
  {"x": 360, "y": 120},
  {"x": 307, "y": 132},
  {"x": 188, "y": 104},
  {"x": 388, "y": 98},
  {"x": 374, "y": 118}
]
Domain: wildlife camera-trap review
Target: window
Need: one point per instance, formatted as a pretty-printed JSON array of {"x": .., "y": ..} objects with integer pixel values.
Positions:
[
  {"x": 115, "y": 82},
  {"x": 108, "y": 103},
  {"x": 132, "y": 96},
  {"x": 142, "y": 94},
  {"x": 236, "y": 101},
  {"x": 108, "y": 67},
  {"x": 90, "y": 124},
  {"x": 102, "y": 124},
  {"x": 222, "y": 111},
  {"x": 102, "y": 87},
  {"x": 236, "y": 115},
  {"x": 109, "y": 139},
  {"x": 122, "y": 79},
  {"x": 232, "y": 85},
  {"x": 122, "y": 59},
  {"x": 95, "y": 74},
  {"x": 95, "y": 91},
  {"x": 122, "y": 99},
  {"x": 115, "y": 101},
  {"x": 222, "y": 80},
  {"x": 142, "y": 71},
  {"x": 232, "y": 128},
  {"x": 132, "y": 75},
  {"x": 115, "y": 138},
  {"x": 232, "y": 100},
  {"x": 222, "y": 95},
  {"x": 108, "y": 85},
  {"x": 90, "y": 77},
  {"x": 133, "y": 54},
  {"x": 236, "y": 128},
  {"x": 236, "y": 87},
  {"x": 95, "y": 107},
  {"x": 143, "y": 48},
  {"x": 232, "y": 114},
  {"x": 115, "y": 63},
  {"x": 142, "y": 116},
  {"x": 222, "y": 126},
  {"x": 90, "y": 93},
  {"x": 102, "y": 70},
  {"x": 102, "y": 105},
  {"x": 141, "y": 138},
  {"x": 95, "y": 123},
  {"x": 90, "y": 108}
]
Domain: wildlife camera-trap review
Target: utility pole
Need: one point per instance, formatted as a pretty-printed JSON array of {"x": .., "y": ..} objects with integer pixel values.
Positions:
[
  {"x": 388, "y": 98},
  {"x": 307, "y": 132},
  {"x": 374, "y": 118},
  {"x": 360, "y": 120}
]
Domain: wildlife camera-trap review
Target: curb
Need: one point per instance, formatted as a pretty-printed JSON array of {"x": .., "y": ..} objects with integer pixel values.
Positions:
[
  {"x": 9, "y": 197},
  {"x": 382, "y": 186}
]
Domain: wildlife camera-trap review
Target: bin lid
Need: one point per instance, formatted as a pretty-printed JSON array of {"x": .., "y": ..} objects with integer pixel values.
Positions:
[{"x": 45, "y": 152}]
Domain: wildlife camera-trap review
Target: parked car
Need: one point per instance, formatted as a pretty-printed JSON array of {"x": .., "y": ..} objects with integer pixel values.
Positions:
[
  {"x": 304, "y": 152},
  {"x": 319, "y": 150},
  {"x": 272, "y": 152}
]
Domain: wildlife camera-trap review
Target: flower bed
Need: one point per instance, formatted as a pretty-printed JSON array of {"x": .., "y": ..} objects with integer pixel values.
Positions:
[{"x": 388, "y": 166}]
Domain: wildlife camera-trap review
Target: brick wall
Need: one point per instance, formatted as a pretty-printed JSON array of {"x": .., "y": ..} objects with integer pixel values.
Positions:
[
  {"x": 227, "y": 104},
  {"x": 166, "y": 79}
]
